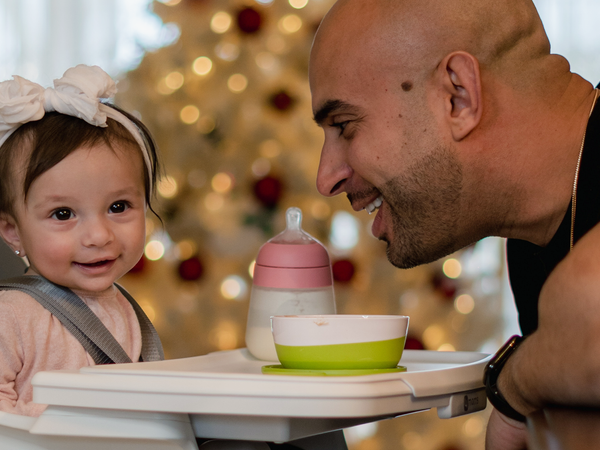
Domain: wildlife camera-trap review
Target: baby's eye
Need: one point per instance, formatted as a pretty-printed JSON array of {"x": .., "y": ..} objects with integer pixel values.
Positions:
[
  {"x": 62, "y": 214},
  {"x": 118, "y": 207}
]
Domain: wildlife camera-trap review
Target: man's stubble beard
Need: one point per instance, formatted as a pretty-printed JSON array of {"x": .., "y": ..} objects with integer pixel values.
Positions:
[{"x": 424, "y": 205}]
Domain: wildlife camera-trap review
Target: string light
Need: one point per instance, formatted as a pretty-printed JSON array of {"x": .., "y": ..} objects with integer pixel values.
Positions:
[
  {"x": 227, "y": 51},
  {"x": 222, "y": 183},
  {"x": 290, "y": 24},
  {"x": 298, "y": 4},
  {"x": 220, "y": 22},
  {"x": 261, "y": 167},
  {"x": 174, "y": 80},
  {"x": 433, "y": 336},
  {"x": 154, "y": 250},
  {"x": 233, "y": 287},
  {"x": 186, "y": 249},
  {"x": 162, "y": 87},
  {"x": 189, "y": 114},
  {"x": 237, "y": 83},
  {"x": 266, "y": 61},
  {"x": 464, "y": 304},
  {"x": 452, "y": 268},
  {"x": 202, "y": 65},
  {"x": 167, "y": 187}
]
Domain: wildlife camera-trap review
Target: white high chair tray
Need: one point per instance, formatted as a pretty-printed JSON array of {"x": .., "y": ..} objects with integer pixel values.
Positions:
[{"x": 227, "y": 396}]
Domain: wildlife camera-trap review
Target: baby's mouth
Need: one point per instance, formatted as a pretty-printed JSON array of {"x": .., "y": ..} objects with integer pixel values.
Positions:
[
  {"x": 96, "y": 264},
  {"x": 374, "y": 204}
]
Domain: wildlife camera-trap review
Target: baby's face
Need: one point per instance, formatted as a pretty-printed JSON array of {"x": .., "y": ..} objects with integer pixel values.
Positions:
[{"x": 83, "y": 225}]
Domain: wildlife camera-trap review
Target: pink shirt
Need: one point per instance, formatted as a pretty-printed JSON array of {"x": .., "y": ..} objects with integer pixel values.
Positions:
[{"x": 33, "y": 340}]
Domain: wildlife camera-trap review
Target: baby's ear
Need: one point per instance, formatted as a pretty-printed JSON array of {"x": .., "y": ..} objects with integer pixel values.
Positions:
[{"x": 9, "y": 230}]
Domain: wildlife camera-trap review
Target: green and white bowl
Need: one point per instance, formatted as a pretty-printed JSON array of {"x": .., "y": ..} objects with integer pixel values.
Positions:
[{"x": 339, "y": 341}]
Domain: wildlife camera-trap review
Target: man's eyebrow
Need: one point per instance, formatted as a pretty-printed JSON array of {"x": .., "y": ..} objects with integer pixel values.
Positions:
[{"x": 331, "y": 106}]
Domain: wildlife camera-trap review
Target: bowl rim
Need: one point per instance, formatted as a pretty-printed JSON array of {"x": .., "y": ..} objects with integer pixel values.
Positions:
[{"x": 340, "y": 316}]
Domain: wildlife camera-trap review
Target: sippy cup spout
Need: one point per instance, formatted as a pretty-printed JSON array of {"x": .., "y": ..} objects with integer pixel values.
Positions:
[
  {"x": 293, "y": 233},
  {"x": 293, "y": 218}
]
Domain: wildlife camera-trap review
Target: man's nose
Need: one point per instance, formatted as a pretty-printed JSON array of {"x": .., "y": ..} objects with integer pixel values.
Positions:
[
  {"x": 333, "y": 172},
  {"x": 97, "y": 232}
]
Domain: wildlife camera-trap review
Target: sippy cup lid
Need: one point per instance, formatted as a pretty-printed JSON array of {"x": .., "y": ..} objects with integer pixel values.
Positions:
[
  {"x": 293, "y": 258},
  {"x": 293, "y": 247}
]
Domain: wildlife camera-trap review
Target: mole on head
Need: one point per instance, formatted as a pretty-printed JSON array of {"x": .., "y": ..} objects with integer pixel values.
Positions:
[{"x": 406, "y": 86}]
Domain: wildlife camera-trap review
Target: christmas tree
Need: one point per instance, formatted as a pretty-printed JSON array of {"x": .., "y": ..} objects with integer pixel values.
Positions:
[{"x": 229, "y": 106}]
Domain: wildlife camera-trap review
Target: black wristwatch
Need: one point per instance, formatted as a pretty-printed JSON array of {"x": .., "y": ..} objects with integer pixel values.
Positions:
[{"x": 491, "y": 374}]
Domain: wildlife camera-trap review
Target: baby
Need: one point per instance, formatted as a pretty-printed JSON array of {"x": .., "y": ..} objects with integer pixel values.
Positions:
[{"x": 76, "y": 178}]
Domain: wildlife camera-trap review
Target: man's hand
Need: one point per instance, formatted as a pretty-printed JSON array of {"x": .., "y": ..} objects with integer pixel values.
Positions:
[{"x": 504, "y": 433}]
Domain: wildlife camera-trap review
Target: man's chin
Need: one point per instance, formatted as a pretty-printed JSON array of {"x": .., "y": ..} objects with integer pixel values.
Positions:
[{"x": 407, "y": 257}]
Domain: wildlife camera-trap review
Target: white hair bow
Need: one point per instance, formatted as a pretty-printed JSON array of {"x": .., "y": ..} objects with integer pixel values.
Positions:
[{"x": 77, "y": 93}]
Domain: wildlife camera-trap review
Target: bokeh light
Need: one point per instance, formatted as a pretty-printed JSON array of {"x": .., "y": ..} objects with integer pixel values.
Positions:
[
  {"x": 154, "y": 250},
  {"x": 189, "y": 114},
  {"x": 213, "y": 201},
  {"x": 202, "y": 65},
  {"x": 167, "y": 187},
  {"x": 452, "y": 268},
  {"x": 174, "y": 80},
  {"x": 220, "y": 22},
  {"x": 290, "y": 24},
  {"x": 237, "y": 83},
  {"x": 298, "y": 4},
  {"x": 464, "y": 304},
  {"x": 222, "y": 182},
  {"x": 233, "y": 287},
  {"x": 433, "y": 336}
]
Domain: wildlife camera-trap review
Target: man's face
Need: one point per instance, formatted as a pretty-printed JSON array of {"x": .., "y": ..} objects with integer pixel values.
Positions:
[{"x": 384, "y": 149}]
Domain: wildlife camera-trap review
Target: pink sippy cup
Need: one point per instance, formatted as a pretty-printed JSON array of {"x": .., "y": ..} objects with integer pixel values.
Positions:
[{"x": 292, "y": 276}]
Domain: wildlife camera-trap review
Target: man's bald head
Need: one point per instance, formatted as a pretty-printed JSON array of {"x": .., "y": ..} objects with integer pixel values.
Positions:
[{"x": 506, "y": 36}]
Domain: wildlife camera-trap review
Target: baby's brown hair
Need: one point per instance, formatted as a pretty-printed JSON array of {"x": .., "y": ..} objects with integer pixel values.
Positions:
[{"x": 46, "y": 142}]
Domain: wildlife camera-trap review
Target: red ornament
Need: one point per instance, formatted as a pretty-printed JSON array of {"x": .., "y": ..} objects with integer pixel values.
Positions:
[
  {"x": 249, "y": 20},
  {"x": 191, "y": 269},
  {"x": 268, "y": 191},
  {"x": 343, "y": 270},
  {"x": 282, "y": 101},
  {"x": 412, "y": 343},
  {"x": 139, "y": 266}
]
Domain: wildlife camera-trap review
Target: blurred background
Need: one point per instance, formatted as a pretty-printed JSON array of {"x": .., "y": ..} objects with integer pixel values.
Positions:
[{"x": 222, "y": 85}]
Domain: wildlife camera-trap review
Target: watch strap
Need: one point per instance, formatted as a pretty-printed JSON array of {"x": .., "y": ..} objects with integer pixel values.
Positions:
[{"x": 490, "y": 379}]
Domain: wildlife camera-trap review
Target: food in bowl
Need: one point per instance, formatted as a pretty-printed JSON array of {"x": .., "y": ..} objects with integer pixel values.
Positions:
[{"x": 339, "y": 341}]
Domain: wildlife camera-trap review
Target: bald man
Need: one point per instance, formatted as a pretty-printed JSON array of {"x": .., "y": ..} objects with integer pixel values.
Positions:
[{"x": 453, "y": 121}]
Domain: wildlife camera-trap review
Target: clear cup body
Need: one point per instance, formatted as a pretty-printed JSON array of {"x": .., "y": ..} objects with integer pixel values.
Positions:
[{"x": 266, "y": 302}]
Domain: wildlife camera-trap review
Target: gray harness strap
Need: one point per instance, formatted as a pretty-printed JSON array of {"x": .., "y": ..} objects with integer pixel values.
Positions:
[{"x": 81, "y": 321}]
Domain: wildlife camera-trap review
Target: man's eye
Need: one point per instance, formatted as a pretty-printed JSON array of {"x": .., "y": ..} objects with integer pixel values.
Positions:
[
  {"x": 341, "y": 126},
  {"x": 118, "y": 207},
  {"x": 62, "y": 214}
]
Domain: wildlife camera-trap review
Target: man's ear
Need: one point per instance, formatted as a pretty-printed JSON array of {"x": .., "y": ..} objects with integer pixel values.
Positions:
[
  {"x": 9, "y": 230},
  {"x": 461, "y": 83}
]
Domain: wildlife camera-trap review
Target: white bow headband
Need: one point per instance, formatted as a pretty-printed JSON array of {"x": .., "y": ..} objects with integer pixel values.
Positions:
[{"x": 77, "y": 94}]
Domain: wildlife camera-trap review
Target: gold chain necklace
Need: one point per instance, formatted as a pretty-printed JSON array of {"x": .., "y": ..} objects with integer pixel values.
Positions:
[{"x": 574, "y": 194}]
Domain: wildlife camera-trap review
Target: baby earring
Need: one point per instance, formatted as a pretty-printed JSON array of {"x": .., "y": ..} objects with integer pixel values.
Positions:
[{"x": 17, "y": 252}]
